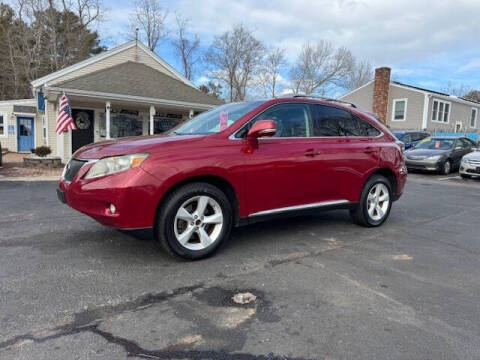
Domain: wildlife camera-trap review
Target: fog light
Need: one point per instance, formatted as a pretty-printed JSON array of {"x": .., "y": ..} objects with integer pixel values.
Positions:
[{"x": 113, "y": 209}]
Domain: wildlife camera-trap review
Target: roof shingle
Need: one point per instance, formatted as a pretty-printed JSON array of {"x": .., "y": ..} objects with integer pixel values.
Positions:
[{"x": 137, "y": 79}]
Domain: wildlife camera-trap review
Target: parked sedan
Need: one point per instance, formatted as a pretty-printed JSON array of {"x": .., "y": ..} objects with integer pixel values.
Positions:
[
  {"x": 470, "y": 165},
  {"x": 442, "y": 154}
]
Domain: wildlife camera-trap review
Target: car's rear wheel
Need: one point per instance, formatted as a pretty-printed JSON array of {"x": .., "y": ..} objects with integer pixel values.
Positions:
[
  {"x": 446, "y": 167},
  {"x": 194, "y": 221},
  {"x": 375, "y": 202}
]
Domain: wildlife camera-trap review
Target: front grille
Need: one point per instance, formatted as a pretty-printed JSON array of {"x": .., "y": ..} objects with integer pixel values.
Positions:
[
  {"x": 474, "y": 162},
  {"x": 72, "y": 168}
]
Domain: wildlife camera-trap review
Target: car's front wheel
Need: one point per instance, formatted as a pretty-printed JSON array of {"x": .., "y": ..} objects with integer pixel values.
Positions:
[
  {"x": 375, "y": 202},
  {"x": 194, "y": 220},
  {"x": 447, "y": 167}
]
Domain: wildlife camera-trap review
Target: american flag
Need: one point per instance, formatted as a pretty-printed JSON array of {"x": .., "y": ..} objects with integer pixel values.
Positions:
[{"x": 64, "y": 119}]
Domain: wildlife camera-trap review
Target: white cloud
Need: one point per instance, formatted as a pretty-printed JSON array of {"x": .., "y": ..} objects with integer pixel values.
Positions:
[{"x": 384, "y": 32}]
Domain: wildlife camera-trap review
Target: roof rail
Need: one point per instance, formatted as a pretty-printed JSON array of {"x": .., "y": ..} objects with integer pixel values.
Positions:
[{"x": 327, "y": 99}]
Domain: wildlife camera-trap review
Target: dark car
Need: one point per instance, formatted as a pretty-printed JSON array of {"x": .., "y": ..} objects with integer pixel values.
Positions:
[
  {"x": 442, "y": 154},
  {"x": 237, "y": 164},
  {"x": 410, "y": 138}
]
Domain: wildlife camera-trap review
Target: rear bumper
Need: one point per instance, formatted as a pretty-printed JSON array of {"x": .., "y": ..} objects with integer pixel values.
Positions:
[{"x": 134, "y": 194}]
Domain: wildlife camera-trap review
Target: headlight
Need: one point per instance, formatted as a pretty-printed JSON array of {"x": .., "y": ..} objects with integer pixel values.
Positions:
[
  {"x": 434, "y": 158},
  {"x": 465, "y": 160},
  {"x": 115, "y": 164}
]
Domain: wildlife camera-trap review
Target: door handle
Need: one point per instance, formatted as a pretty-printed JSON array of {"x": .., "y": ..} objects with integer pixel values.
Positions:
[
  {"x": 370, "y": 150},
  {"x": 312, "y": 153}
]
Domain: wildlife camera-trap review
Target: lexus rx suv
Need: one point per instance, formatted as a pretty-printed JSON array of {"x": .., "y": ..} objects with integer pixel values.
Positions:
[{"x": 236, "y": 164}]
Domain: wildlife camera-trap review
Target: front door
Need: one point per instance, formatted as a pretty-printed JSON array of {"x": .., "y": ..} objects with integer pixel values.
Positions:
[
  {"x": 285, "y": 170},
  {"x": 84, "y": 133},
  {"x": 25, "y": 134}
]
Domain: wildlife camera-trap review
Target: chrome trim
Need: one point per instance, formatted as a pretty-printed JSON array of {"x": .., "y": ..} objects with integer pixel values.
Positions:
[
  {"x": 87, "y": 161},
  {"x": 300, "y": 207}
]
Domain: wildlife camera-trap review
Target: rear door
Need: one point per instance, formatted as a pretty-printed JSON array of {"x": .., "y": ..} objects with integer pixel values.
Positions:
[{"x": 349, "y": 150}]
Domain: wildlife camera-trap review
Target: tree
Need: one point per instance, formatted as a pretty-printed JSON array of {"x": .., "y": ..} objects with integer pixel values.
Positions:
[
  {"x": 234, "y": 58},
  {"x": 38, "y": 39},
  {"x": 460, "y": 91},
  {"x": 212, "y": 88},
  {"x": 360, "y": 74},
  {"x": 473, "y": 95},
  {"x": 149, "y": 17},
  {"x": 271, "y": 68},
  {"x": 318, "y": 66},
  {"x": 186, "y": 49}
]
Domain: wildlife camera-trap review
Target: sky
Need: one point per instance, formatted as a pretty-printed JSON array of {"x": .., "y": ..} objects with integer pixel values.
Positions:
[{"x": 431, "y": 44}]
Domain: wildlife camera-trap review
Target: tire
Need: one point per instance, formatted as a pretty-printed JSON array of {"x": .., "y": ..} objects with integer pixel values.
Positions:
[
  {"x": 465, "y": 176},
  {"x": 187, "y": 234},
  {"x": 446, "y": 167},
  {"x": 361, "y": 214}
]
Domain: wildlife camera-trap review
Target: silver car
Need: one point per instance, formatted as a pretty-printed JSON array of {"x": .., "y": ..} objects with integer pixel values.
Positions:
[{"x": 470, "y": 165}]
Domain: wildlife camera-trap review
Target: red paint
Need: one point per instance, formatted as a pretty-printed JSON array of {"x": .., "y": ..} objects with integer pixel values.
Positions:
[{"x": 273, "y": 173}]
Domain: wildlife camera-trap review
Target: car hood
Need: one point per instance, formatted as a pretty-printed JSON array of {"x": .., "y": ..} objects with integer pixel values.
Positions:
[
  {"x": 132, "y": 145},
  {"x": 473, "y": 156},
  {"x": 425, "y": 152}
]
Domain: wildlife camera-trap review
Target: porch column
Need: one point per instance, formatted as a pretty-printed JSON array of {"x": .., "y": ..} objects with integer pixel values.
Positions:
[
  {"x": 152, "y": 114},
  {"x": 107, "y": 120}
]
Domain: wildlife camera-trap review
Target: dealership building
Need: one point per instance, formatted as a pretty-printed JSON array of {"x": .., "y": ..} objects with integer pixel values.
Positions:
[{"x": 126, "y": 91}]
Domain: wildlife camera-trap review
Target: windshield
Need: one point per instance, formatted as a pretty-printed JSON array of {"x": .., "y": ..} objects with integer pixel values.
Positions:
[
  {"x": 436, "y": 144},
  {"x": 399, "y": 136},
  {"x": 217, "y": 119}
]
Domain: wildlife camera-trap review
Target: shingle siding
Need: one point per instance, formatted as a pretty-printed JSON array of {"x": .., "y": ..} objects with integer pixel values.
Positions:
[{"x": 362, "y": 98}]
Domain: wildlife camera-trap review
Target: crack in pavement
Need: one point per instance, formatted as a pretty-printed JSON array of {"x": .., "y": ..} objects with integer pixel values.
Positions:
[{"x": 88, "y": 318}]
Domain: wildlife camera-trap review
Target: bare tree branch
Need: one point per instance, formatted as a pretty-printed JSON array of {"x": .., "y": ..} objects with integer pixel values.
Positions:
[
  {"x": 149, "y": 17},
  {"x": 360, "y": 74},
  {"x": 186, "y": 49},
  {"x": 318, "y": 66},
  {"x": 234, "y": 57},
  {"x": 270, "y": 70}
]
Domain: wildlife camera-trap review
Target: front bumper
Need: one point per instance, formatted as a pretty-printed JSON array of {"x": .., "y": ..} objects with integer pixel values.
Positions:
[
  {"x": 134, "y": 194},
  {"x": 469, "y": 169},
  {"x": 423, "y": 165}
]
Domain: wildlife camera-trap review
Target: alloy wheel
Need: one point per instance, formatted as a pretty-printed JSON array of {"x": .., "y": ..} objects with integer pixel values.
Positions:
[
  {"x": 447, "y": 167},
  {"x": 378, "y": 201},
  {"x": 198, "y": 222}
]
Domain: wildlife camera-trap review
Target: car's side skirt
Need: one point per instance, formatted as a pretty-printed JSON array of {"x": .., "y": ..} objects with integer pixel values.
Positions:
[{"x": 296, "y": 211}]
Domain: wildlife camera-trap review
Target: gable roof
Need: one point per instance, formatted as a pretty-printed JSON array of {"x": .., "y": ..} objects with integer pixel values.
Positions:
[
  {"x": 137, "y": 79},
  {"x": 106, "y": 54}
]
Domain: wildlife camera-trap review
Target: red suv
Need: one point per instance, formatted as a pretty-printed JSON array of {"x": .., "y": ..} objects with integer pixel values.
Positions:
[{"x": 236, "y": 164}]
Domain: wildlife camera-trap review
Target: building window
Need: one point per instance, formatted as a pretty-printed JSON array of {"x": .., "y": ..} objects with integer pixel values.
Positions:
[
  {"x": 122, "y": 124},
  {"x": 441, "y": 111},
  {"x": 399, "y": 112},
  {"x": 473, "y": 118},
  {"x": 3, "y": 125}
]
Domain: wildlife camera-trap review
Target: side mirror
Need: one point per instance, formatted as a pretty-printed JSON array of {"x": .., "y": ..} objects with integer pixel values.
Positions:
[{"x": 262, "y": 128}]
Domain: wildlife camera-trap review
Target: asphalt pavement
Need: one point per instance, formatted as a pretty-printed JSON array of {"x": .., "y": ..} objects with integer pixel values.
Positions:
[{"x": 325, "y": 288}]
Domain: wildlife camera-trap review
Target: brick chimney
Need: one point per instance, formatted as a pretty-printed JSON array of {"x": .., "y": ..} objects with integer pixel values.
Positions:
[{"x": 380, "y": 92}]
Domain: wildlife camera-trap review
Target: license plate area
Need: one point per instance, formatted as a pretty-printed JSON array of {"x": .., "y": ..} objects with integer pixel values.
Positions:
[{"x": 61, "y": 196}]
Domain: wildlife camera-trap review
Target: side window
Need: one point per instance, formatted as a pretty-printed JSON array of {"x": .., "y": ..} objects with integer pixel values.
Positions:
[
  {"x": 367, "y": 129},
  {"x": 331, "y": 121},
  {"x": 407, "y": 138},
  {"x": 293, "y": 120},
  {"x": 465, "y": 143}
]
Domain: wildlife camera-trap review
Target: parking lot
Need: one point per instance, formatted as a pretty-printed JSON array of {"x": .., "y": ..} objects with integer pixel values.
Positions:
[{"x": 326, "y": 289}]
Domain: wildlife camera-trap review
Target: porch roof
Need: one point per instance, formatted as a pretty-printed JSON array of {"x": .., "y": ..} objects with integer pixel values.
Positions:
[{"x": 138, "y": 80}]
